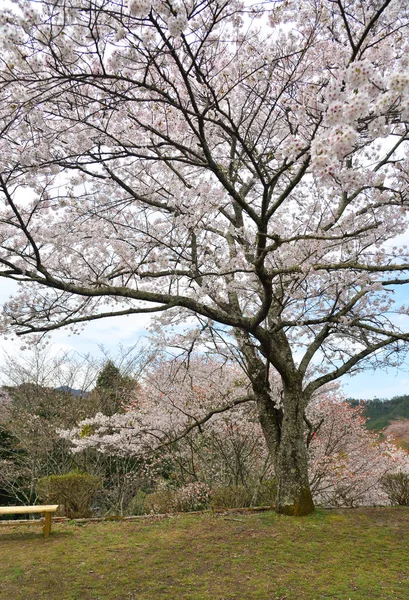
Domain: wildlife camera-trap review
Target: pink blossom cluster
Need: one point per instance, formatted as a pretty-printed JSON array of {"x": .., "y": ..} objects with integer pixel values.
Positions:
[
  {"x": 192, "y": 496},
  {"x": 139, "y": 8},
  {"x": 347, "y": 462}
]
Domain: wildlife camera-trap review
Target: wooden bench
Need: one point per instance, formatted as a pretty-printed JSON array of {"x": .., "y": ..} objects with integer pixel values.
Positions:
[{"x": 44, "y": 509}]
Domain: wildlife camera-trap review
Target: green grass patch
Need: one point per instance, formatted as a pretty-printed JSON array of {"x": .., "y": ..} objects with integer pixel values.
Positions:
[{"x": 331, "y": 555}]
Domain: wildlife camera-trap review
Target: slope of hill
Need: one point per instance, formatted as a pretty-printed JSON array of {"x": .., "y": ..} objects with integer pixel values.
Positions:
[
  {"x": 399, "y": 432},
  {"x": 381, "y": 413}
]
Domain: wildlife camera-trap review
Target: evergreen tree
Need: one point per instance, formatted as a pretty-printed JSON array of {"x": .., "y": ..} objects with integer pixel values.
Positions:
[{"x": 113, "y": 389}]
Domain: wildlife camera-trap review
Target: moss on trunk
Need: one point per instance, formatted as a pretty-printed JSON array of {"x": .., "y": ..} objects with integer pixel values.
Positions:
[{"x": 302, "y": 506}]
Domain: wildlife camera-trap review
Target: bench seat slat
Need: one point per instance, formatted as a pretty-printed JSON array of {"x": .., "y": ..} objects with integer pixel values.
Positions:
[{"x": 22, "y": 510}]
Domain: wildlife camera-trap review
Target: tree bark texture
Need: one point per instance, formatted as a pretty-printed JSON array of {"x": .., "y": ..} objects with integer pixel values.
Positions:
[{"x": 283, "y": 429}]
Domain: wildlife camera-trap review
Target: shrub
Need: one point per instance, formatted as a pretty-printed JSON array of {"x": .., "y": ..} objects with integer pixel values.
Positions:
[
  {"x": 161, "y": 502},
  {"x": 75, "y": 491},
  {"x": 396, "y": 486},
  {"x": 231, "y": 496},
  {"x": 138, "y": 504},
  {"x": 191, "y": 497},
  {"x": 265, "y": 494}
]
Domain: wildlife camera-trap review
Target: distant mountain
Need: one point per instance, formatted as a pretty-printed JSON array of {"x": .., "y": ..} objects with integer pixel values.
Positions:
[
  {"x": 70, "y": 390},
  {"x": 381, "y": 413}
]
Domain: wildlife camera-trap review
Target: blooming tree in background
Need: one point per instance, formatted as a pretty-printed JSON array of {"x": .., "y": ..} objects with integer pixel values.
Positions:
[
  {"x": 347, "y": 463},
  {"x": 169, "y": 427},
  {"x": 180, "y": 427},
  {"x": 174, "y": 399},
  {"x": 243, "y": 162}
]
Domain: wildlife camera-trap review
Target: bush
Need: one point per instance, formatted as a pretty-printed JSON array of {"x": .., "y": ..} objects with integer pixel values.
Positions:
[
  {"x": 396, "y": 487},
  {"x": 266, "y": 493},
  {"x": 231, "y": 496},
  {"x": 161, "y": 501},
  {"x": 138, "y": 504},
  {"x": 191, "y": 497},
  {"x": 75, "y": 491}
]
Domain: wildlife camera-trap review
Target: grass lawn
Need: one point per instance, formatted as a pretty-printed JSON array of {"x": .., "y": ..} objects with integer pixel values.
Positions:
[{"x": 339, "y": 554}]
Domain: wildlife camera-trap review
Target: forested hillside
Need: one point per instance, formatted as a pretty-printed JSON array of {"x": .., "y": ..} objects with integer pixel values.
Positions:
[{"x": 381, "y": 412}]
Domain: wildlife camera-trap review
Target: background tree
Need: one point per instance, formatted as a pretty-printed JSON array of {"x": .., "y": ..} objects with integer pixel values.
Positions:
[
  {"x": 348, "y": 463},
  {"x": 167, "y": 427},
  {"x": 53, "y": 391},
  {"x": 243, "y": 162},
  {"x": 112, "y": 389},
  {"x": 170, "y": 431},
  {"x": 8, "y": 475},
  {"x": 40, "y": 400}
]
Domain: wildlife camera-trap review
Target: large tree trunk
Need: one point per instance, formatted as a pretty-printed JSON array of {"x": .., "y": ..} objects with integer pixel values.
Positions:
[
  {"x": 284, "y": 431},
  {"x": 291, "y": 467},
  {"x": 282, "y": 422}
]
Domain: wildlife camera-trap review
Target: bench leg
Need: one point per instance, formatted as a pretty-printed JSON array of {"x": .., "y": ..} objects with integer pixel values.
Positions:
[{"x": 47, "y": 524}]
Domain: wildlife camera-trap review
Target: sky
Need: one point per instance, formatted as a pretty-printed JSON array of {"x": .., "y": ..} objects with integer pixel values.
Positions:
[{"x": 127, "y": 331}]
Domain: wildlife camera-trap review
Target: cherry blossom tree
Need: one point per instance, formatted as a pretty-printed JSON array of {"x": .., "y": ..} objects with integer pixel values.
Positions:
[
  {"x": 348, "y": 463},
  {"x": 170, "y": 429},
  {"x": 190, "y": 423},
  {"x": 174, "y": 399},
  {"x": 243, "y": 162}
]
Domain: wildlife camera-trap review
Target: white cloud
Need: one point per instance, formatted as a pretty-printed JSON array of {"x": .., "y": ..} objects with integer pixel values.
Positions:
[{"x": 110, "y": 333}]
